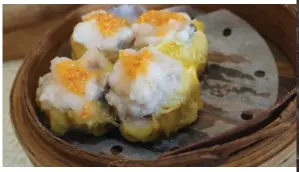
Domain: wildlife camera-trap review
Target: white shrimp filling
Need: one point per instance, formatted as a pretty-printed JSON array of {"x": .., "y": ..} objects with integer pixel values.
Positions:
[{"x": 148, "y": 92}]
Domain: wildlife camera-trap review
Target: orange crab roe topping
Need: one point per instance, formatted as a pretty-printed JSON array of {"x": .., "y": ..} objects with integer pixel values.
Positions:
[
  {"x": 161, "y": 31},
  {"x": 135, "y": 63},
  {"x": 73, "y": 76},
  {"x": 107, "y": 23},
  {"x": 159, "y": 18}
]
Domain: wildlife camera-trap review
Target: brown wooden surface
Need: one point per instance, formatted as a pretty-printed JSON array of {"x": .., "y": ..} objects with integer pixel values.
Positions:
[
  {"x": 24, "y": 25},
  {"x": 21, "y": 15},
  {"x": 259, "y": 139}
]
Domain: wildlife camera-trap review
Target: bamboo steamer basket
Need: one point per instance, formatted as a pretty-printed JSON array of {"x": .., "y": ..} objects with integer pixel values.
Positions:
[{"x": 248, "y": 144}]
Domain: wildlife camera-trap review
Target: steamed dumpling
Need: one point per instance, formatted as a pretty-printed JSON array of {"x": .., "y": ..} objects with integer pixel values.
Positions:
[
  {"x": 174, "y": 34},
  {"x": 71, "y": 94},
  {"x": 147, "y": 78},
  {"x": 153, "y": 93},
  {"x": 154, "y": 26},
  {"x": 101, "y": 30}
]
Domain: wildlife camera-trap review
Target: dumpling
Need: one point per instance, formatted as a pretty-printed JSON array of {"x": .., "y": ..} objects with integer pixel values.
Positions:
[
  {"x": 175, "y": 34},
  {"x": 72, "y": 94},
  {"x": 154, "y": 94},
  {"x": 101, "y": 30},
  {"x": 193, "y": 52},
  {"x": 154, "y": 26}
]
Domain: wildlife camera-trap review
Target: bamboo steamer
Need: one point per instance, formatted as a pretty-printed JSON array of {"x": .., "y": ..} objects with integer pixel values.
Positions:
[{"x": 248, "y": 144}]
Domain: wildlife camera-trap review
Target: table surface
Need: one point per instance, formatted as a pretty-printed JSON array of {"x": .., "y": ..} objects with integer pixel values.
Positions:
[{"x": 13, "y": 155}]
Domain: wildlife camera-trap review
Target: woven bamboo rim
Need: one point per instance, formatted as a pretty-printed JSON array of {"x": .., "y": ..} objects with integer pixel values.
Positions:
[{"x": 249, "y": 144}]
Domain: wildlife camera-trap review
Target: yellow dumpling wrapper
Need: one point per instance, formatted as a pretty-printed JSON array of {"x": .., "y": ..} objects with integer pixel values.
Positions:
[
  {"x": 95, "y": 116},
  {"x": 194, "y": 53},
  {"x": 172, "y": 117},
  {"x": 60, "y": 122},
  {"x": 78, "y": 50}
]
